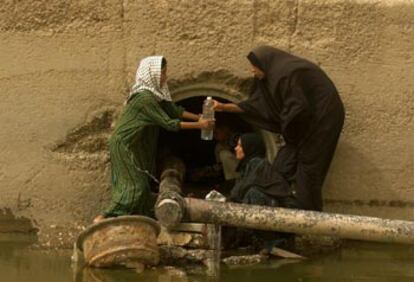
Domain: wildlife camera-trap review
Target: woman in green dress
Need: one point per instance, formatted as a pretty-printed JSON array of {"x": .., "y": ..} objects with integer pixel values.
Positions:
[{"x": 133, "y": 144}]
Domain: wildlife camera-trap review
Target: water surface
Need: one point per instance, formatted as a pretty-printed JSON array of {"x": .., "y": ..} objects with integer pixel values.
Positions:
[{"x": 354, "y": 262}]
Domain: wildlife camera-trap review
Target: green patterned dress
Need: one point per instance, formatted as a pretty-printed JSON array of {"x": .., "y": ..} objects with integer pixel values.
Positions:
[{"x": 133, "y": 147}]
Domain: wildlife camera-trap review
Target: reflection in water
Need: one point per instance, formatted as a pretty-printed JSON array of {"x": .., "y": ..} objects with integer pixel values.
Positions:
[
  {"x": 106, "y": 275},
  {"x": 18, "y": 263},
  {"x": 355, "y": 262}
]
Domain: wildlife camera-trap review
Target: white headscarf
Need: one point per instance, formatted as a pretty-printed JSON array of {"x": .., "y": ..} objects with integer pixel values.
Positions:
[{"x": 148, "y": 78}]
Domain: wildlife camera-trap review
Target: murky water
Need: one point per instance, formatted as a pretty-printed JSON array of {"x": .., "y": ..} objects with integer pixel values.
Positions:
[{"x": 355, "y": 262}]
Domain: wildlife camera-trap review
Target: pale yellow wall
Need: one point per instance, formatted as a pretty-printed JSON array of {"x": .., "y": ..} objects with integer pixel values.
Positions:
[{"x": 63, "y": 63}]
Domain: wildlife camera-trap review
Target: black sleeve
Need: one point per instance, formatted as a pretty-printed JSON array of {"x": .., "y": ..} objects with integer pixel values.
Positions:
[
  {"x": 257, "y": 113},
  {"x": 296, "y": 114}
]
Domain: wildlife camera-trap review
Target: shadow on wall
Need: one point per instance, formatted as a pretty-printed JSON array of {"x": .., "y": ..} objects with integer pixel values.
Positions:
[{"x": 355, "y": 182}]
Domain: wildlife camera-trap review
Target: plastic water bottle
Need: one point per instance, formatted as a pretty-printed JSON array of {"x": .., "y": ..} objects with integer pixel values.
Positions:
[{"x": 208, "y": 113}]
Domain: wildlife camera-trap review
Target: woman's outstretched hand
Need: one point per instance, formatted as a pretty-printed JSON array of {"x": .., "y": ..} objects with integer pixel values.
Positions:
[
  {"x": 218, "y": 107},
  {"x": 227, "y": 107},
  {"x": 206, "y": 123}
]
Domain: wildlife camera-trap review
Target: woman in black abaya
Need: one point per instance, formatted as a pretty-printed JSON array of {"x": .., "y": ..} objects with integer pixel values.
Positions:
[{"x": 295, "y": 98}]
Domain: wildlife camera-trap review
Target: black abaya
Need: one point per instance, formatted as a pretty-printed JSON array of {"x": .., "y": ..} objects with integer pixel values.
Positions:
[{"x": 298, "y": 100}]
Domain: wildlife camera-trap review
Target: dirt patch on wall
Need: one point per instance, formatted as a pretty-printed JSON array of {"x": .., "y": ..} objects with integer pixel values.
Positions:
[
  {"x": 86, "y": 147},
  {"x": 9, "y": 223}
]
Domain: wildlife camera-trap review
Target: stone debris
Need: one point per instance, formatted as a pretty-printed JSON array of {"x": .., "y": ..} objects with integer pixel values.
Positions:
[
  {"x": 170, "y": 254},
  {"x": 245, "y": 260},
  {"x": 182, "y": 239}
]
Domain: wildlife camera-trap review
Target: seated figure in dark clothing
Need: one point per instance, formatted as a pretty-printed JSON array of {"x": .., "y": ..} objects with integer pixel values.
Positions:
[
  {"x": 249, "y": 189},
  {"x": 250, "y": 151}
]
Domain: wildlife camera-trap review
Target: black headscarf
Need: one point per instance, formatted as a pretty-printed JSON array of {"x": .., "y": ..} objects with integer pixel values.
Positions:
[
  {"x": 253, "y": 147},
  {"x": 254, "y": 152},
  {"x": 251, "y": 168},
  {"x": 264, "y": 106}
]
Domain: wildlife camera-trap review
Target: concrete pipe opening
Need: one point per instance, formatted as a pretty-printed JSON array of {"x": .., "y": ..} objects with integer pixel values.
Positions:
[{"x": 200, "y": 157}]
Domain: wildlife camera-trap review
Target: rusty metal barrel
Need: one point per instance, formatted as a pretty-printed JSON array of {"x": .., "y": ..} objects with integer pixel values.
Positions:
[{"x": 129, "y": 241}]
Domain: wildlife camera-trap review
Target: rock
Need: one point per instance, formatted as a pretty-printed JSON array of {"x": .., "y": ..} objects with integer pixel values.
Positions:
[{"x": 244, "y": 260}]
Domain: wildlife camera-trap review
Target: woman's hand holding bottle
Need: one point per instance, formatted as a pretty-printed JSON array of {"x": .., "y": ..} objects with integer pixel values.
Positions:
[{"x": 206, "y": 123}]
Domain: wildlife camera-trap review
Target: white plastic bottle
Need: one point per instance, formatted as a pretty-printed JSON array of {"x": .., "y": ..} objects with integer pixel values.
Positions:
[{"x": 208, "y": 113}]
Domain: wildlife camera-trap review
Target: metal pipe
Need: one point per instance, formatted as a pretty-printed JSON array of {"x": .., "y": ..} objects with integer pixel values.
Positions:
[
  {"x": 300, "y": 221},
  {"x": 169, "y": 208},
  {"x": 172, "y": 208}
]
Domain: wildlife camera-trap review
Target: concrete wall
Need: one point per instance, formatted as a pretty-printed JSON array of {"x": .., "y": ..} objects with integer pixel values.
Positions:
[{"x": 66, "y": 67}]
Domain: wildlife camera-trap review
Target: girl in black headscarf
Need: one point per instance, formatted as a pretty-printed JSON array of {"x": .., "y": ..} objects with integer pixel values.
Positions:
[
  {"x": 249, "y": 189},
  {"x": 294, "y": 97},
  {"x": 250, "y": 151}
]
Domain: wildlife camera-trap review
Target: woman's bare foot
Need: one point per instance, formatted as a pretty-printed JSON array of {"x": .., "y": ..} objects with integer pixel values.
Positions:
[{"x": 98, "y": 218}]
